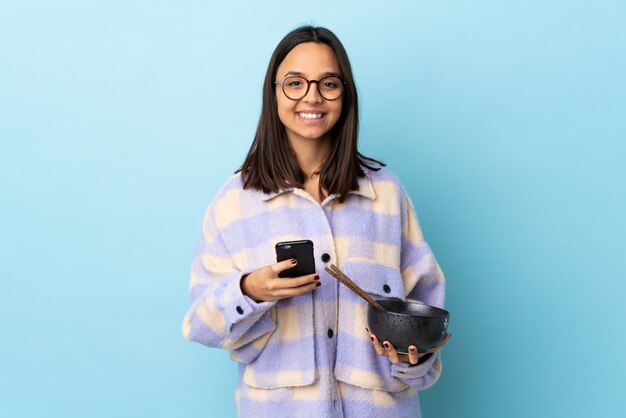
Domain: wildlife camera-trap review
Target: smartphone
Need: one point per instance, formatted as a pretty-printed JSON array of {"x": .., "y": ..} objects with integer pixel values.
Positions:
[{"x": 301, "y": 251}]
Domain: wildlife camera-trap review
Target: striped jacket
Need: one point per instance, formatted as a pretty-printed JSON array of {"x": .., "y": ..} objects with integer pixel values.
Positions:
[{"x": 310, "y": 355}]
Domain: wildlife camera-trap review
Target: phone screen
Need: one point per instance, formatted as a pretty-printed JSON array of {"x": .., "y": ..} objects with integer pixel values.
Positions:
[{"x": 301, "y": 251}]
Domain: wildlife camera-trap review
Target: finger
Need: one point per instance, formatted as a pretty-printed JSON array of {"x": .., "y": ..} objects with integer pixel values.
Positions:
[
  {"x": 441, "y": 343},
  {"x": 413, "y": 354},
  {"x": 286, "y": 283},
  {"x": 391, "y": 350},
  {"x": 445, "y": 339},
  {"x": 283, "y": 265},
  {"x": 404, "y": 358},
  {"x": 379, "y": 348},
  {"x": 282, "y": 293}
]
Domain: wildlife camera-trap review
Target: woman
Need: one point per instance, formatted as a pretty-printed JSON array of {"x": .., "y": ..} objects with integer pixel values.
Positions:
[{"x": 301, "y": 343}]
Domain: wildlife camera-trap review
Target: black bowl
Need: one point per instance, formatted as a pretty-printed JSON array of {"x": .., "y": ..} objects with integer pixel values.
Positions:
[{"x": 408, "y": 323}]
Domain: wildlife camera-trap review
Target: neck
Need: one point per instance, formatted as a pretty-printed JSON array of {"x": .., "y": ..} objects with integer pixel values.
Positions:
[{"x": 311, "y": 153}]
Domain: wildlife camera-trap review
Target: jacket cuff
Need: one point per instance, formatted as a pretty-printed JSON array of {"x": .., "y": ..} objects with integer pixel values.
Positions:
[
  {"x": 404, "y": 370},
  {"x": 240, "y": 307}
]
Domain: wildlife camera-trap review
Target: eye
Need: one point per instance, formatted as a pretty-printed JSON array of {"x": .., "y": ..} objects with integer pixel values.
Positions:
[
  {"x": 295, "y": 83},
  {"x": 330, "y": 83}
]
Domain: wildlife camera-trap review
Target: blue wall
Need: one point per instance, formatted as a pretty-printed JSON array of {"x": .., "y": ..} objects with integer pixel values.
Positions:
[{"x": 120, "y": 120}]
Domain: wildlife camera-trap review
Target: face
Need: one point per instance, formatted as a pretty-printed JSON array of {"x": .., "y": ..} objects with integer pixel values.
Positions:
[{"x": 311, "y": 117}]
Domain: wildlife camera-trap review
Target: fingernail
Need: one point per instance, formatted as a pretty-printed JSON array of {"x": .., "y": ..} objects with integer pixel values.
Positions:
[
  {"x": 368, "y": 330},
  {"x": 294, "y": 261},
  {"x": 372, "y": 338},
  {"x": 318, "y": 284},
  {"x": 317, "y": 277},
  {"x": 386, "y": 345},
  {"x": 412, "y": 349}
]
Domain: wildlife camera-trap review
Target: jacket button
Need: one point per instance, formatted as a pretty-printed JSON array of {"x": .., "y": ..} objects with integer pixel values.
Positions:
[
  {"x": 239, "y": 310},
  {"x": 386, "y": 288},
  {"x": 330, "y": 333},
  {"x": 325, "y": 258}
]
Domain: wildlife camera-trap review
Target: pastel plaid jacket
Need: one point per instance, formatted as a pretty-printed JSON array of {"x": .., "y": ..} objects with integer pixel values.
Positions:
[{"x": 310, "y": 355}]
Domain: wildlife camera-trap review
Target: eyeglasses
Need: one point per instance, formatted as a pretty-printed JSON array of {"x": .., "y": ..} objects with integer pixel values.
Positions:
[{"x": 296, "y": 87}]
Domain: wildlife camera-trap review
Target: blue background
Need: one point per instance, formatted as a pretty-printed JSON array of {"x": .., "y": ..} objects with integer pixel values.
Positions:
[{"x": 120, "y": 120}]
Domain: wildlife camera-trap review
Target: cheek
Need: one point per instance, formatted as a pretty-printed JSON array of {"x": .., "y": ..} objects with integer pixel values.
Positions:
[
  {"x": 336, "y": 109},
  {"x": 285, "y": 110}
]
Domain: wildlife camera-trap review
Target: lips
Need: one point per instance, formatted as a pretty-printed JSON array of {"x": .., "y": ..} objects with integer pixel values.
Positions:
[{"x": 310, "y": 117}]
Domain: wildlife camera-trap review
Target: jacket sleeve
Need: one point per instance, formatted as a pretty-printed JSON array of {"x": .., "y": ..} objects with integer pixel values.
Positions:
[
  {"x": 220, "y": 315},
  {"x": 424, "y": 282}
]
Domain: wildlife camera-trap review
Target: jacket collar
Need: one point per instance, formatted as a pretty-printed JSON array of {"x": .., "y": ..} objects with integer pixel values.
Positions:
[{"x": 366, "y": 189}]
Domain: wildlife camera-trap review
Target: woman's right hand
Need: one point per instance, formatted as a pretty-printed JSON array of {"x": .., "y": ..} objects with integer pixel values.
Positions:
[{"x": 264, "y": 285}]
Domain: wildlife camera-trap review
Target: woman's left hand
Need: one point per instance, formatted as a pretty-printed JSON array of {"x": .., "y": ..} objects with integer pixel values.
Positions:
[{"x": 387, "y": 349}]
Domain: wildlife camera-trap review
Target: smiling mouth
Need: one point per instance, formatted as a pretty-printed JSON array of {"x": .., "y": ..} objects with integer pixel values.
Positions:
[{"x": 309, "y": 116}]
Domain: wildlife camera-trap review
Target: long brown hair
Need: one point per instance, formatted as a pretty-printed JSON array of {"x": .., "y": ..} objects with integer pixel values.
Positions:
[{"x": 271, "y": 164}]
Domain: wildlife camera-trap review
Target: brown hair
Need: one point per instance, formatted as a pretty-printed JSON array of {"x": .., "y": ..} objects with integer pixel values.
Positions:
[{"x": 271, "y": 164}]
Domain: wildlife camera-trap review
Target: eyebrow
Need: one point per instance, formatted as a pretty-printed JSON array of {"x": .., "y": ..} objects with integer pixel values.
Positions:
[{"x": 326, "y": 74}]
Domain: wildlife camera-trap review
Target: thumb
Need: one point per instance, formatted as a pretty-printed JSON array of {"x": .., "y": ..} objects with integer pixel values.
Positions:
[{"x": 283, "y": 265}]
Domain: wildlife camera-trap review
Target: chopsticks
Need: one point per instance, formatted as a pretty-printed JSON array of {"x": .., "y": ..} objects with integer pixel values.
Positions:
[{"x": 343, "y": 279}]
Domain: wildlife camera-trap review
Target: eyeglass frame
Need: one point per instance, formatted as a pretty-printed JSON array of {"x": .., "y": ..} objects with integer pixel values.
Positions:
[{"x": 308, "y": 86}]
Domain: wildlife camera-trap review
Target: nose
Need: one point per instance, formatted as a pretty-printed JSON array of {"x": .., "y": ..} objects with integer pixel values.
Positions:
[{"x": 313, "y": 95}]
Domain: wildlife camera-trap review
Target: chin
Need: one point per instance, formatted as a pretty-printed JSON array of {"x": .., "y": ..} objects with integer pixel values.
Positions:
[
  {"x": 310, "y": 135},
  {"x": 315, "y": 136}
]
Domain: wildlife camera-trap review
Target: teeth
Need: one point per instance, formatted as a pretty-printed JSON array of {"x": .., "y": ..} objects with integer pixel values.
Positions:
[{"x": 310, "y": 115}]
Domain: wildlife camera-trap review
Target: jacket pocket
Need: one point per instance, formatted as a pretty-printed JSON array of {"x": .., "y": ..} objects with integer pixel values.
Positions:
[
  {"x": 357, "y": 362},
  {"x": 288, "y": 359}
]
